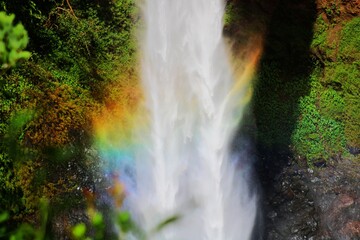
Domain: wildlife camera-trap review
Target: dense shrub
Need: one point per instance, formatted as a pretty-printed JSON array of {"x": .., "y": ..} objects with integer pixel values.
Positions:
[{"x": 78, "y": 48}]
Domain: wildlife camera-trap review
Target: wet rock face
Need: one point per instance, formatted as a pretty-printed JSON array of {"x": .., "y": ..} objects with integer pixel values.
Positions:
[
  {"x": 291, "y": 210},
  {"x": 338, "y": 196},
  {"x": 314, "y": 204}
]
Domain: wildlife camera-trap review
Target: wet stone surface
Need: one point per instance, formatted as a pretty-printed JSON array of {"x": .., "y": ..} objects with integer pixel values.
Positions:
[{"x": 317, "y": 204}]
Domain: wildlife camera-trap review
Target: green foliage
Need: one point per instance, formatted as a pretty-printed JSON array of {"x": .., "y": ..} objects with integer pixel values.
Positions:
[
  {"x": 14, "y": 135},
  {"x": 126, "y": 226},
  {"x": 320, "y": 33},
  {"x": 318, "y": 136},
  {"x": 344, "y": 77},
  {"x": 77, "y": 50},
  {"x": 331, "y": 104},
  {"x": 323, "y": 109},
  {"x": 79, "y": 231},
  {"x": 4, "y": 216},
  {"x": 11, "y": 156},
  {"x": 230, "y": 15},
  {"x": 26, "y": 231},
  {"x": 332, "y": 10},
  {"x": 326, "y": 116},
  {"x": 9, "y": 191},
  {"x": 349, "y": 46},
  {"x": 13, "y": 41},
  {"x": 94, "y": 230},
  {"x": 276, "y": 98},
  {"x": 166, "y": 222}
]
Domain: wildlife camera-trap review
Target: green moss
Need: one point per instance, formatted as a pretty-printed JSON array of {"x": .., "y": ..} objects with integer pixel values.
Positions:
[
  {"x": 352, "y": 121},
  {"x": 309, "y": 113},
  {"x": 325, "y": 39},
  {"x": 344, "y": 77},
  {"x": 231, "y": 14},
  {"x": 332, "y": 10},
  {"x": 319, "y": 132},
  {"x": 329, "y": 115},
  {"x": 320, "y": 33},
  {"x": 349, "y": 47},
  {"x": 331, "y": 104},
  {"x": 275, "y": 99}
]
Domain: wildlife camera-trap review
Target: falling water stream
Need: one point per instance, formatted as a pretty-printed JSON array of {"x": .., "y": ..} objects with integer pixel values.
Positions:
[{"x": 186, "y": 167}]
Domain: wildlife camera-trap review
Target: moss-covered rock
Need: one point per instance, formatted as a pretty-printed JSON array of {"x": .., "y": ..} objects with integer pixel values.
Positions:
[
  {"x": 307, "y": 91},
  {"x": 335, "y": 94}
]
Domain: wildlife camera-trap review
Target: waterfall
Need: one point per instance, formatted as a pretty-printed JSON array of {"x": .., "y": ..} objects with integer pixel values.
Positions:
[{"x": 186, "y": 166}]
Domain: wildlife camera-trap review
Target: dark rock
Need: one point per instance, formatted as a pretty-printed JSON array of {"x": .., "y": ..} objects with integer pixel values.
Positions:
[
  {"x": 351, "y": 229},
  {"x": 272, "y": 214},
  {"x": 354, "y": 150},
  {"x": 318, "y": 204},
  {"x": 320, "y": 164}
]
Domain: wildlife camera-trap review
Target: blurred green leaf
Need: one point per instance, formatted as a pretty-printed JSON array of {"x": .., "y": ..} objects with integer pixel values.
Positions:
[
  {"x": 14, "y": 133},
  {"x": 44, "y": 211},
  {"x": 124, "y": 217},
  {"x": 2, "y": 232},
  {"x": 13, "y": 40},
  {"x": 4, "y": 216},
  {"x": 166, "y": 222},
  {"x": 79, "y": 230},
  {"x": 25, "y": 231},
  {"x": 97, "y": 219},
  {"x": 125, "y": 221}
]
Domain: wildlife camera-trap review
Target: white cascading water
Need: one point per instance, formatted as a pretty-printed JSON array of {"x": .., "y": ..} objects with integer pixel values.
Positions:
[{"x": 186, "y": 167}]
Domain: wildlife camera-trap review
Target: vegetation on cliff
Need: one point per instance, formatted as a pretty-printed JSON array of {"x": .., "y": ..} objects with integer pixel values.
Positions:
[
  {"x": 329, "y": 125},
  {"x": 77, "y": 48},
  {"x": 306, "y": 98}
]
